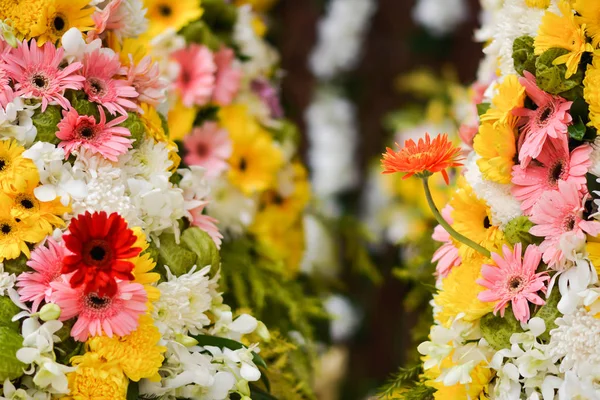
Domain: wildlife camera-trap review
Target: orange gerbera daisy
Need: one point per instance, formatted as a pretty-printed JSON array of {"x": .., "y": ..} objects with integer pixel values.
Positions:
[{"x": 423, "y": 158}]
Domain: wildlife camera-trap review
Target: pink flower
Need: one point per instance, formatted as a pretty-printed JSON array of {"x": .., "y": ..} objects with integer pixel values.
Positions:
[
  {"x": 196, "y": 79},
  {"x": 82, "y": 131},
  {"x": 554, "y": 164},
  {"x": 206, "y": 223},
  {"x": 37, "y": 74},
  {"x": 447, "y": 255},
  {"x": 557, "y": 213},
  {"x": 550, "y": 119},
  {"x": 269, "y": 96},
  {"x": 145, "y": 78},
  {"x": 210, "y": 147},
  {"x": 6, "y": 92},
  {"x": 118, "y": 314},
  {"x": 46, "y": 263},
  {"x": 100, "y": 68},
  {"x": 467, "y": 133},
  {"x": 514, "y": 280},
  {"x": 227, "y": 79},
  {"x": 105, "y": 19}
]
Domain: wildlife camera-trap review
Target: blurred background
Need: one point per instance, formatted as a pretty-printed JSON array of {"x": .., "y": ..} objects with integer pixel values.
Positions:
[{"x": 407, "y": 64}]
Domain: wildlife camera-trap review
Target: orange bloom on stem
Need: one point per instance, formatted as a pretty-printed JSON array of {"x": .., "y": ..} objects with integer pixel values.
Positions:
[{"x": 423, "y": 158}]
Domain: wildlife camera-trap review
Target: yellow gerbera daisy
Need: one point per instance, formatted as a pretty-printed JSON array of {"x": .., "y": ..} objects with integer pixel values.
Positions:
[
  {"x": 143, "y": 267},
  {"x": 511, "y": 95},
  {"x": 164, "y": 14},
  {"x": 137, "y": 354},
  {"x": 181, "y": 120},
  {"x": 496, "y": 146},
  {"x": 15, "y": 171},
  {"x": 589, "y": 15},
  {"x": 591, "y": 90},
  {"x": 153, "y": 124},
  {"x": 95, "y": 378},
  {"x": 481, "y": 376},
  {"x": 15, "y": 233},
  {"x": 564, "y": 32},
  {"x": 61, "y": 15},
  {"x": 256, "y": 158},
  {"x": 473, "y": 219}
]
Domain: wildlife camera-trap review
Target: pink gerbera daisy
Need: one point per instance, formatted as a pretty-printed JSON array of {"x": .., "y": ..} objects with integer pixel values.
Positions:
[
  {"x": 47, "y": 264},
  {"x": 210, "y": 147},
  {"x": 554, "y": 164},
  {"x": 514, "y": 280},
  {"x": 447, "y": 255},
  {"x": 206, "y": 223},
  {"x": 557, "y": 213},
  {"x": 227, "y": 79},
  {"x": 82, "y": 131},
  {"x": 36, "y": 73},
  {"x": 551, "y": 118},
  {"x": 117, "y": 314},
  {"x": 196, "y": 79},
  {"x": 101, "y": 70},
  {"x": 145, "y": 78},
  {"x": 6, "y": 92}
]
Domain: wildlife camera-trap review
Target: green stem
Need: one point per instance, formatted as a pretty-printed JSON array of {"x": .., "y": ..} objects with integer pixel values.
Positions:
[{"x": 446, "y": 225}]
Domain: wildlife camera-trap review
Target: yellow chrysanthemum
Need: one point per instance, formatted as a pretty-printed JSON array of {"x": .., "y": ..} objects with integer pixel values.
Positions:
[
  {"x": 459, "y": 293},
  {"x": 15, "y": 233},
  {"x": 511, "y": 95},
  {"x": 593, "y": 249},
  {"x": 15, "y": 171},
  {"x": 22, "y": 15},
  {"x": 153, "y": 124},
  {"x": 563, "y": 31},
  {"x": 591, "y": 90},
  {"x": 143, "y": 267},
  {"x": 496, "y": 146},
  {"x": 537, "y": 3},
  {"x": 256, "y": 158},
  {"x": 258, "y": 5},
  {"x": 164, "y": 14},
  {"x": 481, "y": 376},
  {"x": 181, "y": 120},
  {"x": 137, "y": 354},
  {"x": 96, "y": 379},
  {"x": 589, "y": 15},
  {"x": 59, "y": 16},
  {"x": 472, "y": 218}
]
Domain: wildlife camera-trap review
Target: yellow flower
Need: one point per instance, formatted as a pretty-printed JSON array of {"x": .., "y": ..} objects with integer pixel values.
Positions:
[
  {"x": 563, "y": 32},
  {"x": 256, "y": 158},
  {"x": 143, "y": 265},
  {"x": 496, "y": 146},
  {"x": 129, "y": 47},
  {"x": 137, "y": 354},
  {"x": 181, "y": 120},
  {"x": 15, "y": 233},
  {"x": 537, "y": 3},
  {"x": 164, "y": 14},
  {"x": 481, "y": 376},
  {"x": 511, "y": 95},
  {"x": 593, "y": 248},
  {"x": 591, "y": 90},
  {"x": 22, "y": 15},
  {"x": 589, "y": 15},
  {"x": 472, "y": 218},
  {"x": 258, "y": 5},
  {"x": 153, "y": 124},
  {"x": 61, "y": 15},
  {"x": 96, "y": 379},
  {"x": 459, "y": 293},
  {"x": 15, "y": 171}
]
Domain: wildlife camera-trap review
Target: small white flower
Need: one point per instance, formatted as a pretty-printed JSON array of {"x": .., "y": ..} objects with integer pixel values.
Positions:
[{"x": 76, "y": 47}]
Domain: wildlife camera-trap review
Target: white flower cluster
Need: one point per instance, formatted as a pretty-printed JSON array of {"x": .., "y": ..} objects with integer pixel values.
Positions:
[{"x": 440, "y": 17}]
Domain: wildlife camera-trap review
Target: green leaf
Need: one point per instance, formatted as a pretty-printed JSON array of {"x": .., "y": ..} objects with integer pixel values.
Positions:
[
  {"x": 8, "y": 309},
  {"x": 482, "y": 108},
  {"x": 577, "y": 130},
  {"x": 133, "y": 390},
  {"x": 46, "y": 124},
  {"x": 498, "y": 330},
  {"x": 517, "y": 231},
  {"x": 199, "y": 32},
  {"x": 201, "y": 244},
  {"x": 136, "y": 127},
  {"x": 83, "y": 106},
  {"x": 549, "y": 313},
  {"x": 258, "y": 394},
  {"x": 179, "y": 259},
  {"x": 550, "y": 77},
  {"x": 10, "y": 367},
  {"x": 207, "y": 113},
  {"x": 17, "y": 265},
  {"x": 523, "y": 54}
]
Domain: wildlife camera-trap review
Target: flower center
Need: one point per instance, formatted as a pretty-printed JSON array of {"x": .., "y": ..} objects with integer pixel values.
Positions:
[
  {"x": 96, "y": 87},
  {"x": 243, "y": 164},
  {"x": 2, "y": 164},
  {"x": 96, "y": 302},
  {"x": 59, "y": 23},
  {"x": 486, "y": 222},
  {"x": 515, "y": 283},
  {"x": 544, "y": 114},
  {"x": 39, "y": 81},
  {"x": 97, "y": 252},
  {"x": 569, "y": 223},
  {"x": 5, "y": 228},
  {"x": 277, "y": 199},
  {"x": 86, "y": 131},
  {"x": 165, "y": 10},
  {"x": 556, "y": 172},
  {"x": 27, "y": 202},
  {"x": 201, "y": 150}
]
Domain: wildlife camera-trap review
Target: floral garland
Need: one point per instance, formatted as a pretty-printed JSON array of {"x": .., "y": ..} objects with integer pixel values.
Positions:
[
  {"x": 110, "y": 269},
  {"x": 516, "y": 310}
]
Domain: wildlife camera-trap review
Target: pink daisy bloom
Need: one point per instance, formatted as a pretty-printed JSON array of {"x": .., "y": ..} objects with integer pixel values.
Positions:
[
  {"x": 117, "y": 314},
  {"x": 82, "y": 131},
  {"x": 447, "y": 255},
  {"x": 36, "y": 73},
  {"x": 227, "y": 79},
  {"x": 269, "y": 95},
  {"x": 551, "y": 118},
  {"x": 557, "y": 213},
  {"x": 116, "y": 95},
  {"x": 514, "y": 280},
  {"x": 210, "y": 147},
  {"x": 554, "y": 164},
  {"x": 145, "y": 78},
  {"x": 196, "y": 80},
  {"x": 206, "y": 223},
  {"x": 6, "y": 92},
  {"x": 47, "y": 264}
]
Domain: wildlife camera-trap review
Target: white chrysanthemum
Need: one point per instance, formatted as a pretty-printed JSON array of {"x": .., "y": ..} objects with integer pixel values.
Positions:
[
  {"x": 440, "y": 17},
  {"x": 504, "y": 207},
  {"x": 131, "y": 15},
  {"x": 148, "y": 160},
  {"x": 340, "y": 35},
  {"x": 595, "y": 158},
  {"x": 7, "y": 281},
  {"x": 193, "y": 182},
  {"x": 16, "y": 123},
  {"x": 234, "y": 210},
  {"x": 576, "y": 343},
  {"x": 183, "y": 302},
  {"x": 331, "y": 125}
]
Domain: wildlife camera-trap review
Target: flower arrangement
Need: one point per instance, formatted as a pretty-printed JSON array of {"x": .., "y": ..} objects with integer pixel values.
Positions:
[
  {"x": 110, "y": 269},
  {"x": 516, "y": 306}
]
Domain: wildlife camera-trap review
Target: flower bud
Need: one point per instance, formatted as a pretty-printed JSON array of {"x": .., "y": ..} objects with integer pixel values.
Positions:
[{"x": 49, "y": 312}]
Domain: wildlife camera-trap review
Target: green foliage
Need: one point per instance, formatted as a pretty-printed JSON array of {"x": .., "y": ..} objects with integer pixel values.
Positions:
[
  {"x": 287, "y": 131},
  {"x": 136, "y": 127},
  {"x": 580, "y": 130},
  {"x": 16, "y": 266},
  {"x": 83, "y": 106},
  {"x": 8, "y": 309},
  {"x": 549, "y": 313},
  {"x": 517, "y": 231},
  {"x": 207, "y": 113},
  {"x": 498, "y": 330},
  {"x": 482, "y": 108},
  {"x": 10, "y": 367},
  {"x": 46, "y": 124},
  {"x": 551, "y": 78},
  {"x": 202, "y": 245},
  {"x": 355, "y": 240},
  {"x": 199, "y": 32},
  {"x": 405, "y": 385},
  {"x": 577, "y": 130},
  {"x": 133, "y": 390},
  {"x": 523, "y": 54}
]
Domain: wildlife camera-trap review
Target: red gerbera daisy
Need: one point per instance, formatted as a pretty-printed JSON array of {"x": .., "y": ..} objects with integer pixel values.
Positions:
[{"x": 100, "y": 246}]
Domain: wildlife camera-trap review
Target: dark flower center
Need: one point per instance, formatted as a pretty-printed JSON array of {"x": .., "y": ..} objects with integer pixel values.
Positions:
[
  {"x": 97, "y": 302},
  {"x": 40, "y": 81},
  {"x": 277, "y": 199},
  {"x": 555, "y": 172},
  {"x": 515, "y": 282},
  {"x": 243, "y": 164},
  {"x": 165, "y": 10},
  {"x": 97, "y": 252},
  {"x": 59, "y": 23},
  {"x": 201, "y": 150},
  {"x": 26, "y": 203},
  {"x": 2, "y": 164},
  {"x": 486, "y": 222},
  {"x": 569, "y": 223},
  {"x": 545, "y": 114},
  {"x": 96, "y": 87},
  {"x": 87, "y": 132},
  {"x": 6, "y": 229}
]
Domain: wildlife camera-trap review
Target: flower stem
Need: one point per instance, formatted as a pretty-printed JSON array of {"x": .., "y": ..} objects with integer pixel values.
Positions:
[{"x": 436, "y": 213}]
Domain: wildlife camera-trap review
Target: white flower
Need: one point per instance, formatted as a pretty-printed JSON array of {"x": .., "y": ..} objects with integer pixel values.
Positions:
[
  {"x": 234, "y": 210},
  {"x": 193, "y": 183},
  {"x": 574, "y": 387},
  {"x": 440, "y": 17},
  {"x": 457, "y": 374},
  {"x": 131, "y": 17},
  {"x": 226, "y": 327},
  {"x": 320, "y": 252},
  {"x": 7, "y": 281},
  {"x": 148, "y": 160},
  {"x": 340, "y": 35},
  {"x": 16, "y": 123},
  {"x": 240, "y": 361},
  {"x": 344, "y": 317},
  {"x": 75, "y": 47}
]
